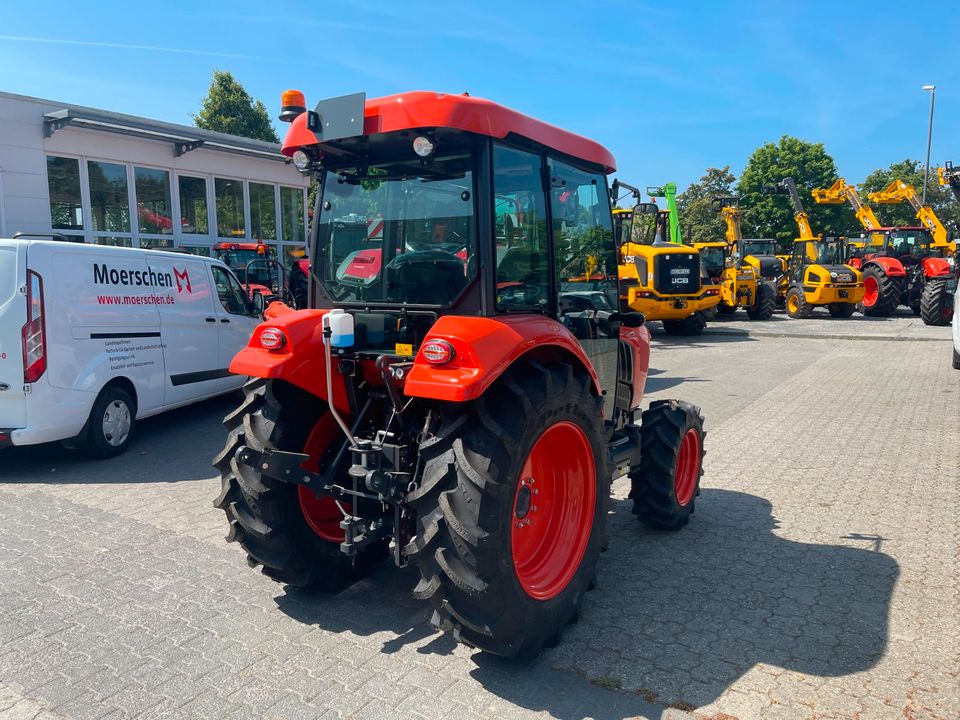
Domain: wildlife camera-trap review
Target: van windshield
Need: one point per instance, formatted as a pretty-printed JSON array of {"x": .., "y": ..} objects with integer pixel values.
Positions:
[{"x": 398, "y": 233}]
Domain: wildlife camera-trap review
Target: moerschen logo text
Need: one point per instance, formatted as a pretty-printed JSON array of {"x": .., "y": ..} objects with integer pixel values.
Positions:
[{"x": 105, "y": 275}]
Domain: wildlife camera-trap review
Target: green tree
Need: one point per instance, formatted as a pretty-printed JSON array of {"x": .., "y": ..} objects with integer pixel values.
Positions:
[
  {"x": 810, "y": 166},
  {"x": 229, "y": 108},
  {"x": 699, "y": 222},
  {"x": 941, "y": 199}
]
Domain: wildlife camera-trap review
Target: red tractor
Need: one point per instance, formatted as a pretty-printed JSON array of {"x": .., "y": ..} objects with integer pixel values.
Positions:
[
  {"x": 440, "y": 411},
  {"x": 903, "y": 266}
]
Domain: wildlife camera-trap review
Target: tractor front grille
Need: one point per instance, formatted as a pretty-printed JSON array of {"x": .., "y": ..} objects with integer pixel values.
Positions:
[{"x": 676, "y": 273}]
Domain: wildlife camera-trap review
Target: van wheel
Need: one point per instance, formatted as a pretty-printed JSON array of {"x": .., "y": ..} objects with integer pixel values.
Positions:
[{"x": 110, "y": 425}]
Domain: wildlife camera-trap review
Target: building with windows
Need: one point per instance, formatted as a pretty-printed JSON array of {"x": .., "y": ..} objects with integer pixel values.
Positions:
[{"x": 115, "y": 179}]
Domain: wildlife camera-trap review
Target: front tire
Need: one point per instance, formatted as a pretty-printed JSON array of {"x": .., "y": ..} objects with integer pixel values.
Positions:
[
  {"x": 691, "y": 325},
  {"x": 666, "y": 483},
  {"x": 511, "y": 509},
  {"x": 841, "y": 310},
  {"x": 111, "y": 424},
  {"x": 936, "y": 304},
  {"x": 765, "y": 305},
  {"x": 881, "y": 295},
  {"x": 797, "y": 305}
]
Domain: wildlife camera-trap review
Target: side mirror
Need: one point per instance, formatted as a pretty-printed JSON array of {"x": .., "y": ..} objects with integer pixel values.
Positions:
[
  {"x": 646, "y": 208},
  {"x": 628, "y": 319},
  {"x": 259, "y": 304}
]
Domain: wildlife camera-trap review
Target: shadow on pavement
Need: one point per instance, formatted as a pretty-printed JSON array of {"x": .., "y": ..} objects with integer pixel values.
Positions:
[
  {"x": 171, "y": 447},
  {"x": 657, "y": 384},
  {"x": 676, "y": 618}
]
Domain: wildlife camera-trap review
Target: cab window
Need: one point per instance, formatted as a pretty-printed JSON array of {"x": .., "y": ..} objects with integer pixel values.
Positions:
[
  {"x": 522, "y": 244},
  {"x": 232, "y": 296}
]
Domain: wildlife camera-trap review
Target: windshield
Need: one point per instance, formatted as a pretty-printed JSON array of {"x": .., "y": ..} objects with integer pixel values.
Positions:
[
  {"x": 759, "y": 247},
  {"x": 237, "y": 259},
  {"x": 398, "y": 233},
  {"x": 912, "y": 242},
  {"x": 712, "y": 260},
  {"x": 824, "y": 252}
]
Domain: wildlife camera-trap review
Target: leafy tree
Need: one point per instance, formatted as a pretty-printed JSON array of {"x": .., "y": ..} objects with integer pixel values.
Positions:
[
  {"x": 229, "y": 108},
  {"x": 941, "y": 199},
  {"x": 811, "y": 167},
  {"x": 699, "y": 222}
]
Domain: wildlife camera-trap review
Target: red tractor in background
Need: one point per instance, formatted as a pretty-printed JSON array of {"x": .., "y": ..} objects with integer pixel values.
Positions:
[
  {"x": 441, "y": 412},
  {"x": 258, "y": 268}
]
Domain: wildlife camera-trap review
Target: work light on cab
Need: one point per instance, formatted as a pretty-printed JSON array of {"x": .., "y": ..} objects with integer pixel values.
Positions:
[
  {"x": 301, "y": 160},
  {"x": 438, "y": 352},
  {"x": 423, "y": 146},
  {"x": 292, "y": 104},
  {"x": 272, "y": 338}
]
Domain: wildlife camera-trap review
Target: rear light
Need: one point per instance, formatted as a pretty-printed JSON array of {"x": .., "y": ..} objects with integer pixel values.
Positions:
[
  {"x": 272, "y": 338},
  {"x": 713, "y": 292},
  {"x": 34, "y": 332},
  {"x": 437, "y": 352}
]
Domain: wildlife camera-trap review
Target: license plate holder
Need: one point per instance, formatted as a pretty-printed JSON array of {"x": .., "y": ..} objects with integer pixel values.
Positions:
[{"x": 844, "y": 294}]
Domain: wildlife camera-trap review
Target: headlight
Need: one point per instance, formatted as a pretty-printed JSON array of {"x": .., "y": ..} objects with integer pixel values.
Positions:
[
  {"x": 422, "y": 146},
  {"x": 833, "y": 275},
  {"x": 301, "y": 160}
]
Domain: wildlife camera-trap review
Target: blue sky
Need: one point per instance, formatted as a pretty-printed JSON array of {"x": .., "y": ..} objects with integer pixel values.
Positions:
[{"x": 670, "y": 88}]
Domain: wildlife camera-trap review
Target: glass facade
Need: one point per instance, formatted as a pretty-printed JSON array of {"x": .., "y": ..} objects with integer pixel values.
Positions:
[
  {"x": 193, "y": 205},
  {"x": 66, "y": 204},
  {"x": 230, "y": 215},
  {"x": 263, "y": 211},
  {"x": 96, "y": 199},
  {"x": 109, "y": 201}
]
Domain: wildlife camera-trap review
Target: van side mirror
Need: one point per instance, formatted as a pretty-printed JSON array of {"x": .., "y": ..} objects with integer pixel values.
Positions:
[
  {"x": 259, "y": 303},
  {"x": 628, "y": 319}
]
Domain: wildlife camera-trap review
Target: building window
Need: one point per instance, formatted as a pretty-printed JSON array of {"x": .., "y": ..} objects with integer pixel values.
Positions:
[
  {"x": 197, "y": 250},
  {"x": 229, "y": 198},
  {"x": 154, "y": 211},
  {"x": 193, "y": 205},
  {"x": 109, "y": 202},
  {"x": 291, "y": 214},
  {"x": 113, "y": 241},
  {"x": 263, "y": 211},
  {"x": 63, "y": 179}
]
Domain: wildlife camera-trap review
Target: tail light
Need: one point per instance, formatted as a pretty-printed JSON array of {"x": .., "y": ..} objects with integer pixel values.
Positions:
[
  {"x": 272, "y": 338},
  {"x": 34, "y": 333},
  {"x": 437, "y": 352}
]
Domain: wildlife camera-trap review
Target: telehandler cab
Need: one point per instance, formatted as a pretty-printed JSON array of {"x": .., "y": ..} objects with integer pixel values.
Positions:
[
  {"x": 438, "y": 410},
  {"x": 816, "y": 272},
  {"x": 659, "y": 276}
]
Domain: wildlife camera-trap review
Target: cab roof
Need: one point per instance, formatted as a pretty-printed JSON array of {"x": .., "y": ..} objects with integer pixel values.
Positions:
[{"x": 422, "y": 109}]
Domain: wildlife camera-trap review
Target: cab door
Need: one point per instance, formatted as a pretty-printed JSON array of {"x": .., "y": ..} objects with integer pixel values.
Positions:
[{"x": 235, "y": 322}]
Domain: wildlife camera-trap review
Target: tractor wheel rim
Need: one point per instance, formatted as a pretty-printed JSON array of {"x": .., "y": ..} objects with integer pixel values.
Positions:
[
  {"x": 320, "y": 511},
  {"x": 687, "y": 470},
  {"x": 871, "y": 291},
  {"x": 116, "y": 423},
  {"x": 792, "y": 304},
  {"x": 553, "y": 509}
]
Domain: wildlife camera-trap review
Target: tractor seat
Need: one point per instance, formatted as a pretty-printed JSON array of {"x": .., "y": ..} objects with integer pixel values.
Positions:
[{"x": 426, "y": 277}]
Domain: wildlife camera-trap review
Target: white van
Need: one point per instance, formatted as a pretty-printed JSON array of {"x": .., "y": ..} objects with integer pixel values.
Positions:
[{"x": 94, "y": 338}]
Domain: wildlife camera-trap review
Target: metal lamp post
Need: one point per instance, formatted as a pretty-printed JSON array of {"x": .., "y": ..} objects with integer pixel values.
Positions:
[{"x": 926, "y": 172}]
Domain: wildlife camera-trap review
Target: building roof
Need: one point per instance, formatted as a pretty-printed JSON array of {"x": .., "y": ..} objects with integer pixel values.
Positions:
[
  {"x": 460, "y": 112},
  {"x": 184, "y": 138}
]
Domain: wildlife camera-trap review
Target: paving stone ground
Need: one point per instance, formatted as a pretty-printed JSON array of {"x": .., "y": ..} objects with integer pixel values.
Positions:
[{"x": 819, "y": 578}]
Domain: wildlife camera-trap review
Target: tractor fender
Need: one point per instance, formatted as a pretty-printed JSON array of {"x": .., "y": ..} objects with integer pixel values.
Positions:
[
  {"x": 300, "y": 361},
  {"x": 935, "y": 267},
  {"x": 484, "y": 349},
  {"x": 889, "y": 265}
]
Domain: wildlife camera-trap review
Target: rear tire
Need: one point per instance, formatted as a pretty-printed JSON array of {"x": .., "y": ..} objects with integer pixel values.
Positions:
[
  {"x": 956, "y": 359},
  {"x": 469, "y": 546},
  {"x": 765, "y": 305},
  {"x": 666, "y": 483},
  {"x": 841, "y": 310},
  {"x": 797, "y": 305},
  {"x": 691, "y": 325},
  {"x": 936, "y": 304},
  {"x": 265, "y": 515},
  {"x": 111, "y": 424},
  {"x": 881, "y": 295}
]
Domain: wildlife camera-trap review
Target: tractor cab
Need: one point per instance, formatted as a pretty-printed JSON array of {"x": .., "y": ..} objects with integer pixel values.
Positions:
[{"x": 464, "y": 385}]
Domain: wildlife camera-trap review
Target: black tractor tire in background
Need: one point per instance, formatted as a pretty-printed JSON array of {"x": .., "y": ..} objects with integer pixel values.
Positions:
[
  {"x": 691, "y": 325},
  {"x": 264, "y": 514},
  {"x": 841, "y": 309},
  {"x": 888, "y": 294},
  {"x": 936, "y": 304},
  {"x": 803, "y": 309},
  {"x": 97, "y": 442},
  {"x": 653, "y": 485},
  {"x": 465, "y": 509},
  {"x": 766, "y": 303},
  {"x": 723, "y": 309}
]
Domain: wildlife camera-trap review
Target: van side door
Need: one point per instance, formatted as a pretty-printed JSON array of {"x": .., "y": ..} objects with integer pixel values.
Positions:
[
  {"x": 235, "y": 320},
  {"x": 188, "y": 325}
]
